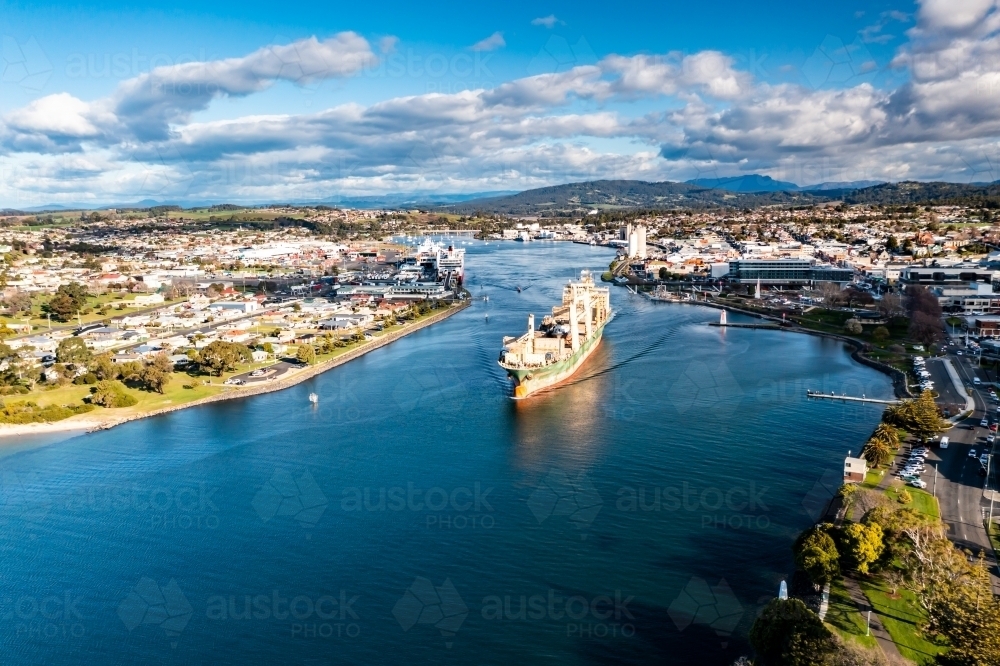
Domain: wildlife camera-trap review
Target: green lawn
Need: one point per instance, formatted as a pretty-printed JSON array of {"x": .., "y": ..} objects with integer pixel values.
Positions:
[
  {"x": 995, "y": 535},
  {"x": 174, "y": 393},
  {"x": 901, "y": 617},
  {"x": 845, "y": 618},
  {"x": 873, "y": 478},
  {"x": 39, "y": 321},
  {"x": 923, "y": 502}
]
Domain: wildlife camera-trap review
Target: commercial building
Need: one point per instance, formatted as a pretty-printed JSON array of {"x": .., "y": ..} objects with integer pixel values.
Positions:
[
  {"x": 942, "y": 276},
  {"x": 635, "y": 240},
  {"x": 786, "y": 272},
  {"x": 973, "y": 298}
]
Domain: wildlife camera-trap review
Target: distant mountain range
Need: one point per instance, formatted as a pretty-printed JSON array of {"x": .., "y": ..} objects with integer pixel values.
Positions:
[
  {"x": 754, "y": 182},
  {"x": 573, "y": 199},
  {"x": 603, "y": 195},
  {"x": 394, "y": 200}
]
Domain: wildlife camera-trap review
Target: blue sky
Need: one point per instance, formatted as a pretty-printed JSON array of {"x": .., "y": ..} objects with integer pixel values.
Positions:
[{"x": 254, "y": 102}]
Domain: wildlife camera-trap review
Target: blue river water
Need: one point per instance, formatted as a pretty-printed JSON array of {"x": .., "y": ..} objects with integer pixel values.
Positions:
[{"x": 643, "y": 512}]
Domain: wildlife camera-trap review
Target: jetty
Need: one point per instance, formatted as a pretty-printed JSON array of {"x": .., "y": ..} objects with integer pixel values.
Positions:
[
  {"x": 720, "y": 324},
  {"x": 849, "y": 398}
]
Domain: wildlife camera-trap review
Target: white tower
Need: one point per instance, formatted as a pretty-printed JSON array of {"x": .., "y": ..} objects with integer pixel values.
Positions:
[{"x": 757, "y": 295}]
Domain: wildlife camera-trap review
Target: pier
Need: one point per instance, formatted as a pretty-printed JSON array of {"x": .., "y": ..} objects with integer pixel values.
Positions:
[
  {"x": 772, "y": 327},
  {"x": 848, "y": 398}
]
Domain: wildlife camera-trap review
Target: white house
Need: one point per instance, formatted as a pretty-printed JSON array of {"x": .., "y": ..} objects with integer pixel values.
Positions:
[{"x": 855, "y": 469}]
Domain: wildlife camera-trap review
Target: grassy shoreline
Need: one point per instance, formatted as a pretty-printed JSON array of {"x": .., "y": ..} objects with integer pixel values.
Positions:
[{"x": 176, "y": 396}]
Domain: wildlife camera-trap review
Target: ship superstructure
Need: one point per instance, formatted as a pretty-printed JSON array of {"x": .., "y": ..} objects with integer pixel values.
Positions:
[{"x": 552, "y": 353}]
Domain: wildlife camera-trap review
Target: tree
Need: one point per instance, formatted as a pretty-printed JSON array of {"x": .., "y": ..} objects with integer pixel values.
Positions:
[
  {"x": 830, "y": 291},
  {"x": 891, "y": 305},
  {"x": 17, "y": 302},
  {"x": 853, "y": 326},
  {"x": 154, "y": 379},
  {"x": 663, "y": 273},
  {"x": 862, "y": 545},
  {"x": 102, "y": 366},
  {"x": 816, "y": 554},
  {"x": 221, "y": 356},
  {"x": 787, "y": 633},
  {"x": 163, "y": 363},
  {"x": 880, "y": 334},
  {"x": 72, "y": 350},
  {"x": 925, "y": 328},
  {"x": 62, "y": 307},
  {"x": 109, "y": 393},
  {"x": 69, "y": 299},
  {"x": 306, "y": 354},
  {"x": 876, "y": 452}
]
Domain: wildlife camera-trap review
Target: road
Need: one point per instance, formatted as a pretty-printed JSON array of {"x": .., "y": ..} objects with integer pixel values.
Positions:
[
  {"x": 275, "y": 371},
  {"x": 956, "y": 480},
  {"x": 948, "y": 395}
]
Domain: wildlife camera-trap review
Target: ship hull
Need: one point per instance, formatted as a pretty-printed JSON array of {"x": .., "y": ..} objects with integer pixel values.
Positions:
[{"x": 528, "y": 381}]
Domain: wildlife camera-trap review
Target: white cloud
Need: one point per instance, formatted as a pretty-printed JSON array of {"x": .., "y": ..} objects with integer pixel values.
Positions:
[
  {"x": 491, "y": 43},
  {"x": 700, "y": 113},
  {"x": 547, "y": 21}
]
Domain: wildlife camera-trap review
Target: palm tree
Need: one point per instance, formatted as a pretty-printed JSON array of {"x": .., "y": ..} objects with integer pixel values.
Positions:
[
  {"x": 887, "y": 434},
  {"x": 877, "y": 452}
]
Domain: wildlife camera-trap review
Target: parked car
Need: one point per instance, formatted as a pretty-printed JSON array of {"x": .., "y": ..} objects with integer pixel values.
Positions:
[
  {"x": 972, "y": 453},
  {"x": 917, "y": 483}
]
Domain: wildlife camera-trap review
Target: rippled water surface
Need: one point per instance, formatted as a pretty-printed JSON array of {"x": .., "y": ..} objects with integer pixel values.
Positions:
[{"x": 644, "y": 511}]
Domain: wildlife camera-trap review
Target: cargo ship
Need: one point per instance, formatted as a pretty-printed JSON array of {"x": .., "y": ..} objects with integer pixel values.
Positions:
[{"x": 551, "y": 354}]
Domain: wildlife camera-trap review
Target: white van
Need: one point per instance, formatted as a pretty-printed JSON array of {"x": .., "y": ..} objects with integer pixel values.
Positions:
[
  {"x": 975, "y": 380},
  {"x": 944, "y": 442}
]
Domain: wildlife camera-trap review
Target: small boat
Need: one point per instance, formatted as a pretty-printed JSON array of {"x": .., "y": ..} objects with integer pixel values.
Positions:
[{"x": 313, "y": 398}]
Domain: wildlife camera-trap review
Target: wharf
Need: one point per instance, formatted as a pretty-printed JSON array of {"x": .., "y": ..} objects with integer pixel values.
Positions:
[
  {"x": 848, "y": 398},
  {"x": 772, "y": 327}
]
